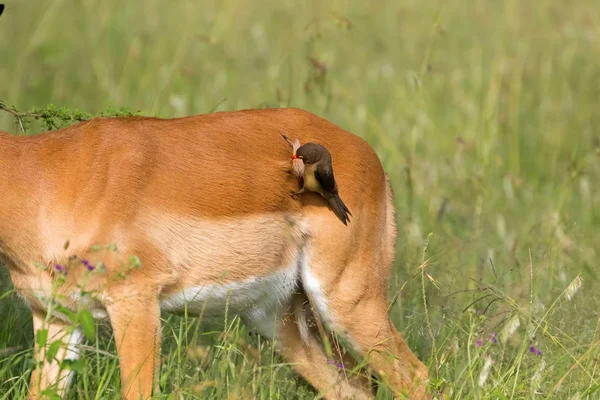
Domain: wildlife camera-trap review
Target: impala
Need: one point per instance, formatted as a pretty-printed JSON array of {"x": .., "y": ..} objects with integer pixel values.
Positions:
[{"x": 204, "y": 203}]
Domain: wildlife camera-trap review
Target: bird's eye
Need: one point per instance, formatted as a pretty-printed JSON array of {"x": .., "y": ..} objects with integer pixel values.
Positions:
[{"x": 300, "y": 157}]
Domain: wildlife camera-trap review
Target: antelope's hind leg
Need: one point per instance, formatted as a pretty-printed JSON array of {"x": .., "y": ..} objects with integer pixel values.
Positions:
[
  {"x": 375, "y": 337},
  {"x": 360, "y": 317},
  {"x": 298, "y": 341}
]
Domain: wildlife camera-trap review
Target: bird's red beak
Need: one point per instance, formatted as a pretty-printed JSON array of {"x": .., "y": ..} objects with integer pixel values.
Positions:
[{"x": 294, "y": 157}]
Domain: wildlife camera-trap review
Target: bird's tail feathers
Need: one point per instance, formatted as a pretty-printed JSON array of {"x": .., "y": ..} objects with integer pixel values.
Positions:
[{"x": 338, "y": 207}]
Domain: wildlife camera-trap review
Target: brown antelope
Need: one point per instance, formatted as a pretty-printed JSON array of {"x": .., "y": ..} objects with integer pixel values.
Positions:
[{"x": 205, "y": 204}]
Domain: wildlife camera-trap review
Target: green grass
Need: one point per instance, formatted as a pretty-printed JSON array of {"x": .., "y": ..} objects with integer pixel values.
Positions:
[{"x": 484, "y": 113}]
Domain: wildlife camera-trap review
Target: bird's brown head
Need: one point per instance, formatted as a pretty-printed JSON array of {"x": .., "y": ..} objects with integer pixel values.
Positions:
[{"x": 311, "y": 153}]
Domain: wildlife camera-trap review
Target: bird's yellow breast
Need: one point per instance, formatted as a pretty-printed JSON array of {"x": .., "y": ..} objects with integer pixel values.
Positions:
[{"x": 310, "y": 182}]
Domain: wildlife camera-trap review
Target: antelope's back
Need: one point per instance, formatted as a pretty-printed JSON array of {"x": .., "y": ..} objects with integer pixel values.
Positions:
[{"x": 218, "y": 165}]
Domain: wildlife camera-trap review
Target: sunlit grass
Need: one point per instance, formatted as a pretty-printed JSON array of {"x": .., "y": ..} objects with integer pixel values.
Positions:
[{"x": 485, "y": 115}]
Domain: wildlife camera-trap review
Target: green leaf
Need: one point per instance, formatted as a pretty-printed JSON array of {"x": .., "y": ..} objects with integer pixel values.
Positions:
[
  {"x": 67, "y": 243},
  {"x": 50, "y": 394},
  {"x": 500, "y": 395},
  {"x": 70, "y": 314},
  {"x": 41, "y": 337},
  {"x": 74, "y": 365},
  {"x": 53, "y": 349},
  {"x": 163, "y": 380},
  {"x": 134, "y": 262},
  {"x": 87, "y": 324}
]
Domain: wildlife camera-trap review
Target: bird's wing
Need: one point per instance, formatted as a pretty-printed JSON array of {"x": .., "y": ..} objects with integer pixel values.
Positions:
[{"x": 324, "y": 174}]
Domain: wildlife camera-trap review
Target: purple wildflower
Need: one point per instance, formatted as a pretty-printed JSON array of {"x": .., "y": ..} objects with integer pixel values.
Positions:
[
  {"x": 494, "y": 338},
  {"x": 535, "y": 351},
  {"x": 479, "y": 342},
  {"x": 89, "y": 266},
  {"x": 60, "y": 268},
  {"x": 332, "y": 362}
]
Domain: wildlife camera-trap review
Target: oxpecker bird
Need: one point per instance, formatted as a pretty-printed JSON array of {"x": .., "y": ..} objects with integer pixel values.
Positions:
[{"x": 318, "y": 177}]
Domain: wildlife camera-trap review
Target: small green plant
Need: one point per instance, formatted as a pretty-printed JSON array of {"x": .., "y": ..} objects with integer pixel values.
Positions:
[{"x": 55, "y": 118}]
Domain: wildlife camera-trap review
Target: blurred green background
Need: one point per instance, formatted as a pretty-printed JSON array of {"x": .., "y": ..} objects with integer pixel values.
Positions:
[{"x": 486, "y": 115}]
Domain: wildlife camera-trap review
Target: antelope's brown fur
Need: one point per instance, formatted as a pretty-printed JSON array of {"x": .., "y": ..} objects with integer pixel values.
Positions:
[{"x": 204, "y": 200}]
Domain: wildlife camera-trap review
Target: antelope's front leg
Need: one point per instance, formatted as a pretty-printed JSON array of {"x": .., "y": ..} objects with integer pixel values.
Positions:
[
  {"x": 135, "y": 319},
  {"x": 48, "y": 373}
]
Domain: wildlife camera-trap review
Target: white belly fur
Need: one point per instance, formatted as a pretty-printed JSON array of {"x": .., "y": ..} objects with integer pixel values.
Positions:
[
  {"x": 250, "y": 296},
  {"x": 258, "y": 298}
]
